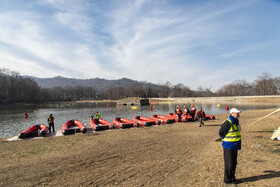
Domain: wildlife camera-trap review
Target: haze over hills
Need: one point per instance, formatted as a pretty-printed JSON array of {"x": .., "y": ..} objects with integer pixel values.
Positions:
[{"x": 99, "y": 84}]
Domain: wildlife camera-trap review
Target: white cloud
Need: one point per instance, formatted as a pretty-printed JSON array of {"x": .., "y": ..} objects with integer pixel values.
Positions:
[{"x": 194, "y": 44}]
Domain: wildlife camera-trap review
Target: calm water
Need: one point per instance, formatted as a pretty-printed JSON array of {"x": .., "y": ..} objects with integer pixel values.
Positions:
[{"x": 13, "y": 119}]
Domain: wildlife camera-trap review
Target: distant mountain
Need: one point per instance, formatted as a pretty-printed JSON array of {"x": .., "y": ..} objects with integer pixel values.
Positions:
[{"x": 99, "y": 84}]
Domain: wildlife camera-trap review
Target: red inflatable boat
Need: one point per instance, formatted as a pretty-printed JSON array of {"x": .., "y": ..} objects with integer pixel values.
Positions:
[
  {"x": 34, "y": 131},
  {"x": 124, "y": 123},
  {"x": 209, "y": 116},
  {"x": 100, "y": 124},
  {"x": 163, "y": 119},
  {"x": 144, "y": 121},
  {"x": 70, "y": 127},
  {"x": 186, "y": 118},
  {"x": 174, "y": 116}
]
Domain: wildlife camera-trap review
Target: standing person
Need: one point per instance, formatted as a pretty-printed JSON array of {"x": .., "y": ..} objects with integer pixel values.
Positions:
[
  {"x": 201, "y": 116},
  {"x": 231, "y": 137},
  {"x": 179, "y": 113},
  {"x": 186, "y": 111},
  {"x": 98, "y": 115},
  {"x": 51, "y": 122},
  {"x": 193, "y": 111},
  {"x": 91, "y": 118}
]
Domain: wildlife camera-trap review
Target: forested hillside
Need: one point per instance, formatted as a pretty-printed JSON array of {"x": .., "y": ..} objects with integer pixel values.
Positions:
[
  {"x": 99, "y": 84},
  {"x": 18, "y": 89}
]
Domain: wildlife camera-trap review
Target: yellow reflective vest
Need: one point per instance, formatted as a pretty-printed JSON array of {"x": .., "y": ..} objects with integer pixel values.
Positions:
[{"x": 233, "y": 134}]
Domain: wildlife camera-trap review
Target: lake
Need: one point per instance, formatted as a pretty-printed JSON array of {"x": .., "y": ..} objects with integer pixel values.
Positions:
[{"x": 13, "y": 117}]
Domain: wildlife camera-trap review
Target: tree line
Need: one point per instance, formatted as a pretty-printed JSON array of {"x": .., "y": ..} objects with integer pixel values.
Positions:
[{"x": 18, "y": 89}]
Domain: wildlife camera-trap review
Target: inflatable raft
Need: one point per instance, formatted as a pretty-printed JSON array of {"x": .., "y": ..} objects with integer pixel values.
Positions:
[
  {"x": 73, "y": 126},
  {"x": 144, "y": 121},
  {"x": 124, "y": 123},
  {"x": 163, "y": 119},
  {"x": 211, "y": 117},
  {"x": 187, "y": 118},
  {"x": 100, "y": 124},
  {"x": 174, "y": 116},
  {"x": 34, "y": 131}
]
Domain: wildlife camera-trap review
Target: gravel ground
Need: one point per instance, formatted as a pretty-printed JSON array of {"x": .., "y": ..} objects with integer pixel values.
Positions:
[{"x": 179, "y": 154}]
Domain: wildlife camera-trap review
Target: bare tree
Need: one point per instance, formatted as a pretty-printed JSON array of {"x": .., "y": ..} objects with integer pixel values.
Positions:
[{"x": 265, "y": 85}]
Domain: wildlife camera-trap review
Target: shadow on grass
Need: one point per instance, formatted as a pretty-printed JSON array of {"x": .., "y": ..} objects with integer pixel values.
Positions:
[{"x": 270, "y": 174}]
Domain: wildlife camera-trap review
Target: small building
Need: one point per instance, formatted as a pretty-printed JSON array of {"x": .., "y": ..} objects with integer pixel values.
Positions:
[{"x": 133, "y": 101}]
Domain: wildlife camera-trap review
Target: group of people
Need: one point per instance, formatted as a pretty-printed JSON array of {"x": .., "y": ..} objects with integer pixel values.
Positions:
[
  {"x": 97, "y": 116},
  {"x": 200, "y": 113},
  {"x": 229, "y": 133}
]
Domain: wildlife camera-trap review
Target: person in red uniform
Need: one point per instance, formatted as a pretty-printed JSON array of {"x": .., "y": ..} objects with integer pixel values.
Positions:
[
  {"x": 179, "y": 113},
  {"x": 193, "y": 111},
  {"x": 201, "y": 116}
]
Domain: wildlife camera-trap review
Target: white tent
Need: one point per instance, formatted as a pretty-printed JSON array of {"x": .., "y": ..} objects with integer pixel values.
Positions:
[{"x": 276, "y": 134}]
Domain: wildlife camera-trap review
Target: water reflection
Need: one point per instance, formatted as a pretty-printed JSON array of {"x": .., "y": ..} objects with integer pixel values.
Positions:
[{"x": 13, "y": 119}]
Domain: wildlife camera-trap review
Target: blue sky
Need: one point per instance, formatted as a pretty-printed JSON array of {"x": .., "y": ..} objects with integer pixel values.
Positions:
[{"x": 196, "y": 43}]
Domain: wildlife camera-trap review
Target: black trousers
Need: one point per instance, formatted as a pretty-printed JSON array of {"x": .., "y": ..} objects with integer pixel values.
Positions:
[
  {"x": 230, "y": 159},
  {"x": 51, "y": 125},
  {"x": 179, "y": 118},
  {"x": 192, "y": 114}
]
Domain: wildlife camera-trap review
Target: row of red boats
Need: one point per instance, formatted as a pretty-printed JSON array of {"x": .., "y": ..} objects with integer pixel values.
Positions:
[{"x": 73, "y": 126}]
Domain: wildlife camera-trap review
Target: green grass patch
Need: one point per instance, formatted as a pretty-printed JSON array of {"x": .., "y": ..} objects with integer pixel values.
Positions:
[
  {"x": 218, "y": 140},
  {"x": 269, "y": 130},
  {"x": 36, "y": 151}
]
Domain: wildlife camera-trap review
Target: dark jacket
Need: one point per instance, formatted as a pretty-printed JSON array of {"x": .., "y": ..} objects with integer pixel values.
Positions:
[
  {"x": 200, "y": 114},
  {"x": 223, "y": 132}
]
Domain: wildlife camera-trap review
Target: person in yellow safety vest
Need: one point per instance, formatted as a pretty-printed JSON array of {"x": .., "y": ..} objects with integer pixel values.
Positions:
[
  {"x": 98, "y": 115},
  {"x": 91, "y": 118},
  {"x": 51, "y": 122},
  {"x": 231, "y": 137},
  {"x": 179, "y": 113},
  {"x": 186, "y": 111}
]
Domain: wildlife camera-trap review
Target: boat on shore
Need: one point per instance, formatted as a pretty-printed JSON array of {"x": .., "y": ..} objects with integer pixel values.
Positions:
[
  {"x": 34, "y": 131},
  {"x": 211, "y": 117},
  {"x": 144, "y": 121},
  {"x": 73, "y": 126},
  {"x": 163, "y": 119},
  {"x": 187, "y": 118},
  {"x": 100, "y": 124},
  {"x": 124, "y": 123},
  {"x": 174, "y": 116}
]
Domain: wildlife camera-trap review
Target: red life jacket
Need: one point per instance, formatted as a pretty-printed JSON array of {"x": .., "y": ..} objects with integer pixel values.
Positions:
[
  {"x": 179, "y": 111},
  {"x": 193, "y": 110}
]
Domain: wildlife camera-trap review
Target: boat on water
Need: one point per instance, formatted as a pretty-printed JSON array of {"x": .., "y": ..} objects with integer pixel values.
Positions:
[
  {"x": 73, "y": 126},
  {"x": 124, "y": 123},
  {"x": 163, "y": 119},
  {"x": 144, "y": 121},
  {"x": 100, "y": 124},
  {"x": 34, "y": 131}
]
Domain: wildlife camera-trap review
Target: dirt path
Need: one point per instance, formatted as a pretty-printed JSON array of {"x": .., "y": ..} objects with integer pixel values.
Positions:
[{"x": 181, "y": 154}]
